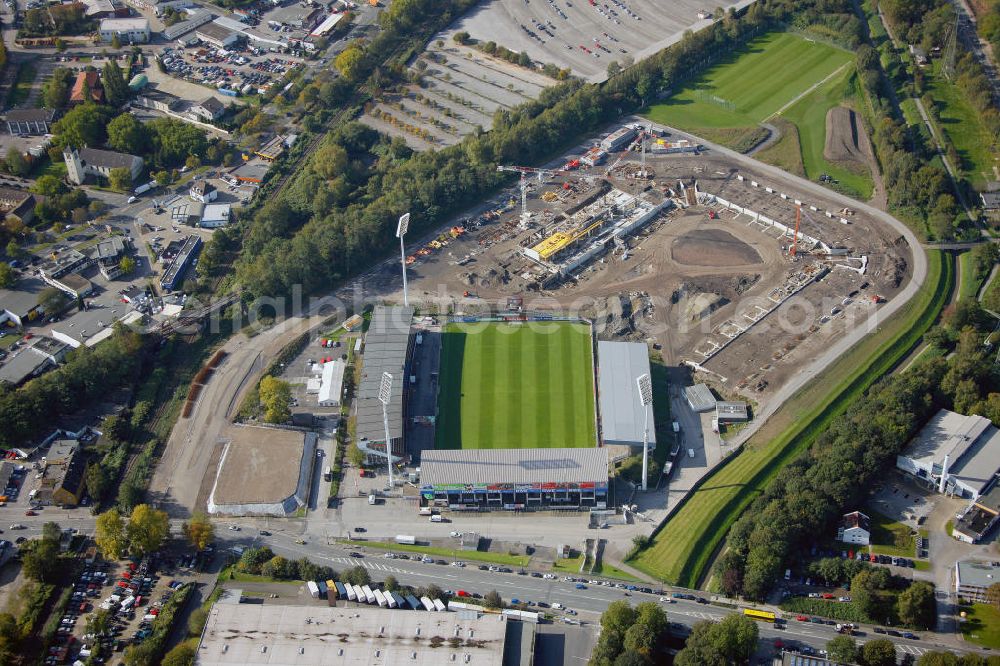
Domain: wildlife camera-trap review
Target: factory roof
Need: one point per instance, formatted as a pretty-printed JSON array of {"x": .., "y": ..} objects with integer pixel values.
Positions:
[
  {"x": 279, "y": 635},
  {"x": 971, "y": 443},
  {"x": 732, "y": 410},
  {"x": 385, "y": 351},
  {"x": 700, "y": 397},
  {"x": 214, "y": 31},
  {"x": 124, "y": 24},
  {"x": 623, "y": 417},
  {"x": 490, "y": 466}
]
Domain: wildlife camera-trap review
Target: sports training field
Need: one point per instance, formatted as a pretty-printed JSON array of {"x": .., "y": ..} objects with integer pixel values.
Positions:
[
  {"x": 516, "y": 386},
  {"x": 759, "y": 81}
]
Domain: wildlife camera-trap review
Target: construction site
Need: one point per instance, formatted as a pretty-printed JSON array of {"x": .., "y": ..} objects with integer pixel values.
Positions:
[{"x": 738, "y": 277}]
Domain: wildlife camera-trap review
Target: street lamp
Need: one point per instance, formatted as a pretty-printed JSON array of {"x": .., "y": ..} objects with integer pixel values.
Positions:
[
  {"x": 645, "y": 399},
  {"x": 401, "y": 229},
  {"x": 384, "y": 394}
]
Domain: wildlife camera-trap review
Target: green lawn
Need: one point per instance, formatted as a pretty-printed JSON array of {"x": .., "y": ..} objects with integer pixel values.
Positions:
[
  {"x": 809, "y": 116},
  {"x": 516, "y": 386},
  {"x": 22, "y": 85},
  {"x": 752, "y": 85},
  {"x": 609, "y": 571},
  {"x": 458, "y": 554},
  {"x": 963, "y": 129},
  {"x": 889, "y": 537},
  {"x": 682, "y": 549},
  {"x": 969, "y": 284},
  {"x": 569, "y": 565},
  {"x": 981, "y": 625}
]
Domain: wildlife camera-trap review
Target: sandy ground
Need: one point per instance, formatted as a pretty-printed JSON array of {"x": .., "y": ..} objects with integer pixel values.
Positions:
[{"x": 262, "y": 465}]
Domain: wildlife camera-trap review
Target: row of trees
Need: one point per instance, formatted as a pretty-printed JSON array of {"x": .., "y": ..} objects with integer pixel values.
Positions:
[
  {"x": 630, "y": 635},
  {"x": 145, "y": 532},
  {"x": 808, "y": 496}
]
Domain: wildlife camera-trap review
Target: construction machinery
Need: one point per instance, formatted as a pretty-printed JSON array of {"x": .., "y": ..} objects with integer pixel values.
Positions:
[{"x": 541, "y": 174}]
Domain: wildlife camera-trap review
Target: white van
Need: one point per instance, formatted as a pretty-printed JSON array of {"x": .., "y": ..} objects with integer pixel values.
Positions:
[
  {"x": 371, "y": 499},
  {"x": 426, "y": 511},
  {"x": 436, "y": 519},
  {"x": 690, "y": 453}
]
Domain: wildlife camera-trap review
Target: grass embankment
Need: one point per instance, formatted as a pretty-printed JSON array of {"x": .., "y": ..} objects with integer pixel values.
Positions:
[
  {"x": 731, "y": 99},
  {"x": 516, "y": 386},
  {"x": 21, "y": 89},
  {"x": 569, "y": 565},
  {"x": 608, "y": 571},
  {"x": 970, "y": 282},
  {"x": 981, "y": 625},
  {"x": 458, "y": 554},
  {"x": 786, "y": 153},
  {"x": 683, "y": 547}
]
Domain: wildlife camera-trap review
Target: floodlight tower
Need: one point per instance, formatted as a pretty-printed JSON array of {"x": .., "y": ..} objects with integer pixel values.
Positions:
[
  {"x": 645, "y": 399},
  {"x": 401, "y": 228},
  {"x": 384, "y": 393}
]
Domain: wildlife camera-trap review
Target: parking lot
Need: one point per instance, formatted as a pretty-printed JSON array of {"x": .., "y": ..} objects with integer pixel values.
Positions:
[{"x": 241, "y": 69}]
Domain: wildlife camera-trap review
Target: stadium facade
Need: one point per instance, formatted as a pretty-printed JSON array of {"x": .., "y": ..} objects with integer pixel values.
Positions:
[{"x": 515, "y": 479}]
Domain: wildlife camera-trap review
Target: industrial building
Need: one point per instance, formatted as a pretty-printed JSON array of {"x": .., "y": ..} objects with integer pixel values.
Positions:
[
  {"x": 699, "y": 398},
  {"x": 593, "y": 230},
  {"x": 731, "y": 412},
  {"x": 515, "y": 479},
  {"x": 263, "y": 472},
  {"x": 623, "y": 418},
  {"x": 128, "y": 30},
  {"x": 619, "y": 139},
  {"x": 979, "y": 518},
  {"x": 173, "y": 277},
  {"x": 973, "y": 578},
  {"x": 216, "y": 215},
  {"x": 63, "y": 470},
  {"x": 216, "y": 35},
  {"x": 199, "y": 18},
  {"x": 956, "y": 454},
  {"x": 312, "y": 635},
  {"x": 34, "y": 122},
  {"x": 387, "y": 349}
]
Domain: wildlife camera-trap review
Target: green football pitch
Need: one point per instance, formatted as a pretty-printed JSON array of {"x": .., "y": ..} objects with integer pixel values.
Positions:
[
  {"x": 513, "y": 386},
  {"x": 759, "y": 81}
]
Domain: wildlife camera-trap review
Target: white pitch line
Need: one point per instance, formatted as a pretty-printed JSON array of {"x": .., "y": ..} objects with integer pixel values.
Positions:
[{"x": 806, "y": 92}]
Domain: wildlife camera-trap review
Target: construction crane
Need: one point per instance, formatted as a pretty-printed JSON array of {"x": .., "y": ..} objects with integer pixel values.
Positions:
[
  {"x": 795, "y": 238},
  {"x": 541, "y": 174}
]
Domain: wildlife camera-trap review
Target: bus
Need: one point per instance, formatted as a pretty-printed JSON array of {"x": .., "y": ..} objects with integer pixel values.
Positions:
[{"x": 753, "y": 613}]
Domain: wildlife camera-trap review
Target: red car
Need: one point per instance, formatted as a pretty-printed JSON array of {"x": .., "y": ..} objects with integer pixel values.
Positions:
[
  {"x": 827, "y": 595},
  {"x": 801, "y": 618},
  {"x": 463, "y": 593},
  {"x": 30, "y": 513}
]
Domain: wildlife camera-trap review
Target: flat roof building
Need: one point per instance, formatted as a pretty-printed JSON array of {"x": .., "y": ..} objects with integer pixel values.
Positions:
[
  {"x": 979, "y": 518},
  {"x": 699, "y": 397},
  {"x": 20, "y": 304},
  {"x": 387, "y": 349},
  {"x": 216, "y": 215},
  {"x": 216, "y": 35},
  {"x": 331, "y": 383},
  {"x": 129, "y": 30},
  {"x": 623, "y": 418},
  {"x": 731, "y": 412},
  {"x": 956, "y": 454},
  {"x": 973, "y": 578},
  {"x": 24, "y": 366},
  {"x": 314, "y": 635},
  {"x": 515, "y": 479}
]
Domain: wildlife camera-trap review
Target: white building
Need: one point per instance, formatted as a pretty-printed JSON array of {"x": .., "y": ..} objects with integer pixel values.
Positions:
[
  {"x": 216, "y": 215},
  {"x": 956, "y": 454},
  {"x": 203, "y": 192},
  {"x": 332, "y": 383},
  {"x": 129, "y": 30},
  {"x": 855, "y": 527},
  {"x": 208, "y": 109},
  {"x": 93, "y": 162},
  {"x": 973, "y": 578}
]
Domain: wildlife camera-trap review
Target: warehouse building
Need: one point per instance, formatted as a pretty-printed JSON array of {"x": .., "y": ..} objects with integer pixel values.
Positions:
[
  {"x": 312, "y": 635},
  {"x": 699, "y": 398},
  {"x": 623, "y": 418},
  {"x": 515, "y": 479},
  {"x": 331, "y": 385},
  {"x": 731, "y": 412},
  {"x": 216, "y": 35},
  {"x": 128, "y": 30},
  {"x": 956, "y": 454},
  {"x": 387, "y": 349}
]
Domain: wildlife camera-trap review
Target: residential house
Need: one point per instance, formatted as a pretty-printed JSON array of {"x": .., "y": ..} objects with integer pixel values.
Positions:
[
  {"x": 87, "y": 79},
  {"x": 208, "y": 109},
  {"x": 855, "y": 527},
  {"x": 17, "y": 204},
  {"x": 203, "y": 192}
]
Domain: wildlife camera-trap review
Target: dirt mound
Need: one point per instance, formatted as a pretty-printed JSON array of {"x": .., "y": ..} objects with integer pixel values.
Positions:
[
  {"x": 842, "y": 136},
  {"x": 712, "y": 247}
]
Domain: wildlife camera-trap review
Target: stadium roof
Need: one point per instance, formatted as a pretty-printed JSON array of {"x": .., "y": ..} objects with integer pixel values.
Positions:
[
  {"x": 438, "y": 467},
  {"x": 385, "y": 351},
  {"x": 622, "y": 414},
  {"x": 280, "y": 635},
  {"x": 699, "y": 397}
]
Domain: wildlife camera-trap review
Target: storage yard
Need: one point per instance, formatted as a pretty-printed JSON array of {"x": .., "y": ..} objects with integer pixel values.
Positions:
[{"x": 695, "y": 259}]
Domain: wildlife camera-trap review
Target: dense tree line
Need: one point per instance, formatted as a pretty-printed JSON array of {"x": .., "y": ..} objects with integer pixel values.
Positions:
[
  {"x": 810, "y": 494},
  {"x": 630, "y": 636},
  {"x": 88, "y": 375},
  {"x": 732, "y": 640}
]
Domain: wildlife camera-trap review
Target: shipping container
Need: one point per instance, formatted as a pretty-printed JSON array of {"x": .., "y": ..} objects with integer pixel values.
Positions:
[
  {"x": 428, "y": 604},
  {"x": 362, "y": 598},
  {"x": 398, "y": 598},
  {"x": 341, "y": 590},
  {"x": 349, "y": 591},
  {"x": 331, "y": 590},
  {"x": 414, "y": 602},
  {"x": 369, "y": 594},
  {"x": 322, "y": 588},
  {"x": 313, "y": 589},
  {"x": 439, "y": 606}
]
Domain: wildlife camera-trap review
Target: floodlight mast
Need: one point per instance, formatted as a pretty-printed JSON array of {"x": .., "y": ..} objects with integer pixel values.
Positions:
[
  {"x": 401, "y": 229},
  {"x": 645, "y": 399},
  {"x": 384, "y": 394}
]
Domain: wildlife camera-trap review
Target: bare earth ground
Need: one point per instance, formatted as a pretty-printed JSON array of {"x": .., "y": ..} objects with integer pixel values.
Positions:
[
  {"x": 262, "y": 465},
  {"x": 842, "y": 136}
]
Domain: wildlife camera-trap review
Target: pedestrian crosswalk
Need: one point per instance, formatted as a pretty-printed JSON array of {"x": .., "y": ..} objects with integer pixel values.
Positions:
[
  {"x": 367, "y": 564},
  {"x": 911, "y": 649}
]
